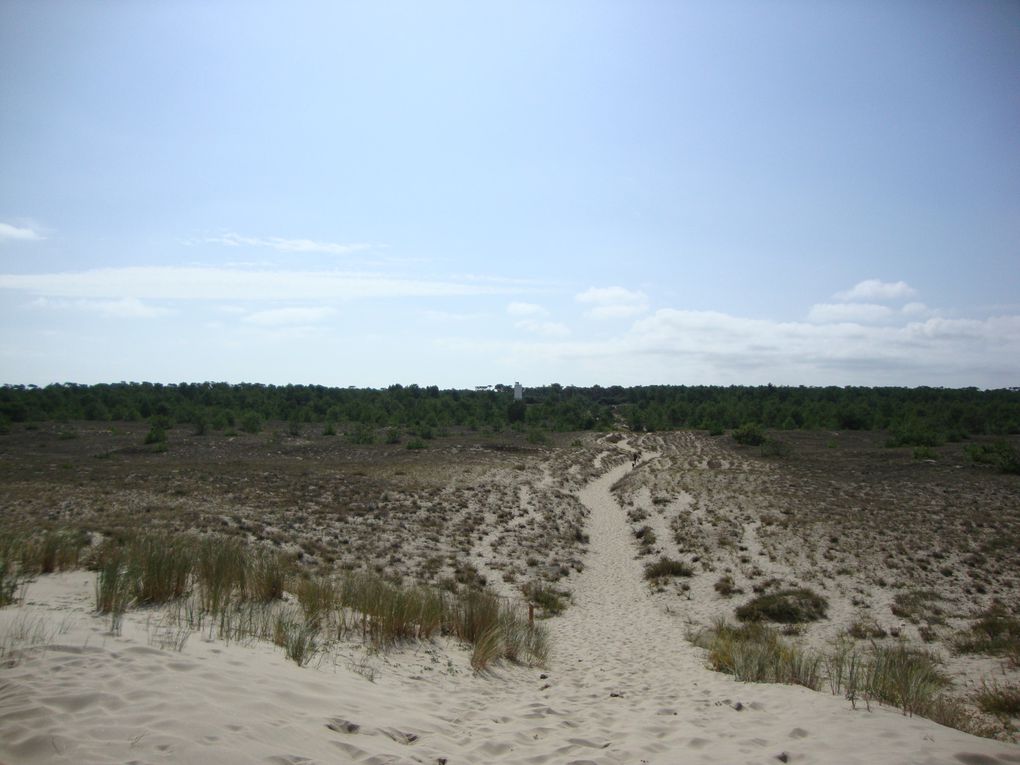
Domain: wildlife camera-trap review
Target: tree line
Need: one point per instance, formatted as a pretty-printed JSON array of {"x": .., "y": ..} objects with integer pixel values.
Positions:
[{"x": 913, "y": 414}]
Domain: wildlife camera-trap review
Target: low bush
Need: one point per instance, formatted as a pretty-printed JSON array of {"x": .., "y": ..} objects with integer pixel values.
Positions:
[
  {"x": 665, "y": 567},
  {"x": 749, "y": 434},
  {"x": 914, "y": 435},
  {"x": 999, "y": 454},
  {"x": 786, "y": 607},
  {"x": 156, "y": 435},
  {"x": 251, "y": 422},
  {"x": 773, "y": 447}
]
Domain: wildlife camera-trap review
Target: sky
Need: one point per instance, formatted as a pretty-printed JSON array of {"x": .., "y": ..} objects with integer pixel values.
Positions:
[{"x": 459, "y": 193}]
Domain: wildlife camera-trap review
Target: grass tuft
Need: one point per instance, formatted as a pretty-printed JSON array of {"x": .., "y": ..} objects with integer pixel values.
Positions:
[
  {"x": 999, "y": 700},
  {"x": 664, "y": 567},
  {"x": 995, "y": 633},
  {"x": 786, "y": 607}
]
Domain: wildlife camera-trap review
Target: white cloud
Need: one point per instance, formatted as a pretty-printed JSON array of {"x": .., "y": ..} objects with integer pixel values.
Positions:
[
  {"x": 18, "y": 233},
  {"x": 279, "y": 317},
  {"x": 829, "y": 312},
  {"x": 199, "y": 283},
  {"x": 613, "y": 302},
  {"x": 547, "y": 328},
  {"x": 526, "y": 309},
  {"x": 705, "y": 347},
  {"x": 875, "y": 289},
  {"x": 915, "y": 309},
  {"x": 288, "y": 245},
  {"x": 122, "y": 308},
  {"x": 451, "y": 316}
]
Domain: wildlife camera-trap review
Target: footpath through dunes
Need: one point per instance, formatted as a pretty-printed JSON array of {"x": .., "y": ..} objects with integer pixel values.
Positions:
[
  {"x": 633, "y": 690},
  {"x": 623, "y": 687}
]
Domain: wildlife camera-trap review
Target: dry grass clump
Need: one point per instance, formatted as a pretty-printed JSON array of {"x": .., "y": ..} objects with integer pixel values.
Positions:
[
  {"x": 995, "y": 633},
  {"x": 786, "y": 607},
  {"x": 24, "y": 555},
  {"x": 1001, "y": 700},
  {"x": 897, "y": 675},
  {"x": 152, "y": 569},
  {"x": 223, "y": 587},
  {"x": 918, "y": 605},
  {"x": 667, "y": 567},
  {"x": 551, "y": 601},
  {"x": 755, "y": 653}
]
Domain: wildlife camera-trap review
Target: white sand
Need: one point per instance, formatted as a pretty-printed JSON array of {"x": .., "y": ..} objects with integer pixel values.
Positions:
[{"x": 623, "y": 686}]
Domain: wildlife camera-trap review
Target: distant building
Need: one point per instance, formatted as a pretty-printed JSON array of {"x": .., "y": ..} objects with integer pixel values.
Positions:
[{"x": 518, "y": 392}]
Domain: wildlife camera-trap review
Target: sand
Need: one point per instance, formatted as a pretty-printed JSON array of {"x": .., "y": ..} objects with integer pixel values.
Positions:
[{"x": 622, "y": 686}]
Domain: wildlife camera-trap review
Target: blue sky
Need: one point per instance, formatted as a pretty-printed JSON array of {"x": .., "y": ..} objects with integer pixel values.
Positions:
[{"x": 470, "y": 193}]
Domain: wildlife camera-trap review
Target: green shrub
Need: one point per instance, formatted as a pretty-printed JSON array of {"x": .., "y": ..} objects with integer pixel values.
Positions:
[
  {"x": 786, "y": 607},
  {"x": 362, "y": 435},
  {"x": 416, "y": 443},
  {"x": 914, "y": 435},
  {"x": 1000, "y": 454},
  {"x": 536, "y": 436},
  {"x": 773, "y": 447},
  {"x": 251, "y": 422},
  {"x": 749, "y": 434},
  {"x": 156, "y": 435}
]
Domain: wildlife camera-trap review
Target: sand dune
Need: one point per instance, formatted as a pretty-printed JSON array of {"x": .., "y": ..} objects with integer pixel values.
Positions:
[{"x": 622, "y": 686}]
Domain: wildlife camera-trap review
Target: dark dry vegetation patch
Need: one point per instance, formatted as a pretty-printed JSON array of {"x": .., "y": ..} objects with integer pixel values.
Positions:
[
  {"x": 667, "y": 567},
  {"x": 430, "y": 516},
  {"x": 786, "y": 607}
]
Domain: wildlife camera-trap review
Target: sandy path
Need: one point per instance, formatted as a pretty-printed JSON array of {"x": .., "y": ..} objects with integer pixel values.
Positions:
[{"x": 623, "y": 686}]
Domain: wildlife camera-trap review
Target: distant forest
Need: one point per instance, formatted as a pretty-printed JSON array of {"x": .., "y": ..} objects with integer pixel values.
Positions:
[{"x": 917, "y": 415}]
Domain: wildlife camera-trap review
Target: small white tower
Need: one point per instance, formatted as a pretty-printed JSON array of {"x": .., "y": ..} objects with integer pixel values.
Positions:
[{"x": 518, "y": 392}]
